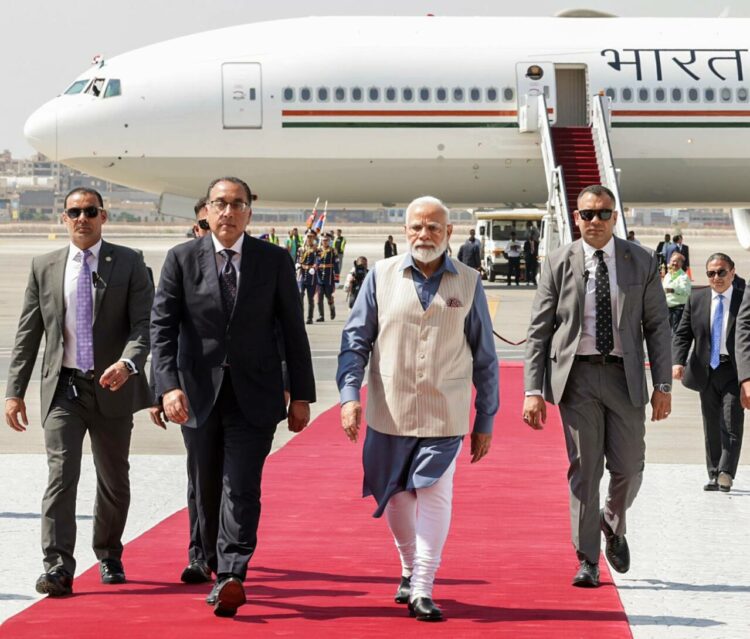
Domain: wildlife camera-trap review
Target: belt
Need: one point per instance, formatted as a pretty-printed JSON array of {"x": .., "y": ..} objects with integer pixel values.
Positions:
[
  {"x": 79, "y": 374},
  {"x": 599, "y": 359}
]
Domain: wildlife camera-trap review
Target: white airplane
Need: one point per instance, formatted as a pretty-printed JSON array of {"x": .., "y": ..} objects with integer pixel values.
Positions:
[{"x": 382, "y": 109}]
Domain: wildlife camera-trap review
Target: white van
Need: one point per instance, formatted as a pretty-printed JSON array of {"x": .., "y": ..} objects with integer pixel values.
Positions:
[{"x": 493, "y": 230}]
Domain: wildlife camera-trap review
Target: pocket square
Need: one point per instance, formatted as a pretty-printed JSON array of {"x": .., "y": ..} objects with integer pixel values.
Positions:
[{"x": 454, "y": 302}]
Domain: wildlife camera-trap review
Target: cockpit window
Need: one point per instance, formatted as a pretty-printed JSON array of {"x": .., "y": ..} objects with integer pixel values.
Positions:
[
  {"x": 76, "y": 87},
  {"x": 113, "y": 89},
  {"x": 95, "y": 88}
]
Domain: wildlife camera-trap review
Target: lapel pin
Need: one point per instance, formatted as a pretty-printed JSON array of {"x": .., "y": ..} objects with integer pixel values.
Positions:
[{"x": 108, "y": 259}]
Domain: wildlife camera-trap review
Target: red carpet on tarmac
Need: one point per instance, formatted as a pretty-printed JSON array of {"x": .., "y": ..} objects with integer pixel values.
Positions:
[{"x": 326, "y": 568}]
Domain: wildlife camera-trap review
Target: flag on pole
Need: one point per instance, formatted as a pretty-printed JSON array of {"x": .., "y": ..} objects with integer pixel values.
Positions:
[
  {"x": 320, "y": 223},
  {"x": 311, "y": 219}
]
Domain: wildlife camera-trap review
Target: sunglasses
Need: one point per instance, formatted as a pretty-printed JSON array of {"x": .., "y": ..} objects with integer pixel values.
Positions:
[
  {"x": 720, "y": 273},
  {"x": 89, "y": 211},
  {"x": 588, "y": 214},
  {"x": 203, "y": 224}
]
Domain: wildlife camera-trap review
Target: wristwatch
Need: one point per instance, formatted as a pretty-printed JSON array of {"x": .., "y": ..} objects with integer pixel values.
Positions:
[{"x": 663, "y": 388}]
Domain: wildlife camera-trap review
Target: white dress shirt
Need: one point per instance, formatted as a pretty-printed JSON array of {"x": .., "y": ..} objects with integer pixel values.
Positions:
[
  {"x": 236, "y": 258},
  {"x": 714, "y": 302},
  {"x": 587, "y": 344},
  {"x": 70, "y": 297}
]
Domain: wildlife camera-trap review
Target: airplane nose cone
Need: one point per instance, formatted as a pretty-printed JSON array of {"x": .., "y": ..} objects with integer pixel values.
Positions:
[{"x": 41, "y": 131}]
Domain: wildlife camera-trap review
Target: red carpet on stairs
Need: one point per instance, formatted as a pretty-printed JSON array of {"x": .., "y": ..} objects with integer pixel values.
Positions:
[{"x": 325, "y": 568}]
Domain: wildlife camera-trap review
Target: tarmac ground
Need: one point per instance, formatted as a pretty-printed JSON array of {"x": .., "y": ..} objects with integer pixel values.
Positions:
[{"x": 690, "y": 573}]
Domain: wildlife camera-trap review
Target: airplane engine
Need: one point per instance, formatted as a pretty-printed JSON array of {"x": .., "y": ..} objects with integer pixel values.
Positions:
[{"x": 741, "y": 218}]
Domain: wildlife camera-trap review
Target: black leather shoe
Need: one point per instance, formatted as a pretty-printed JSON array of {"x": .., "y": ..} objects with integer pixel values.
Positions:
[
  {"x": 211, "y": 599},
  {"x": 111, "y": 571},
  {"x": 56, "y": 583},
  {"x": 309, "y": 320},
  {"x": 321, "y": 319},
  {"x": 333, "y": 311},
  {"x": 425, "y": 610},
  {"x": 587, "y": 575},
  {"x": 404, "y": 588},
  {"x": 616, "y": 550},
  {"x": 230, "y": 595},
  {"x": 712, "y": 485},
  {"x": 196, "y": 572}
]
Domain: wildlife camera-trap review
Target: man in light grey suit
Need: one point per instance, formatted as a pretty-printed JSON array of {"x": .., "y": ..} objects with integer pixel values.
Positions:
[
  {"x": 91, "y": 301},
  {"x": 598, "y": 299}
]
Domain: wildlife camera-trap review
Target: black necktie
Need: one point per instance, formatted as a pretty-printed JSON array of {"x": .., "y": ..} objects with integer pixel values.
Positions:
[
  {"x": 228, "y": 282},
  {"x": 605, "y": 340}
]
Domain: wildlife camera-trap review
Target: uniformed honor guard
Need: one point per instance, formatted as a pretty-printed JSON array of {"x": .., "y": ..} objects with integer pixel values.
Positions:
[
  {"x": 326, "y": 264},
  {"x": 306, "y": 279}
]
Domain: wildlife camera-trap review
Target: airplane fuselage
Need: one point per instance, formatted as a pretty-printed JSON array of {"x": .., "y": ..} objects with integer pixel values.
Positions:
[{"x": 379, "y": 110}]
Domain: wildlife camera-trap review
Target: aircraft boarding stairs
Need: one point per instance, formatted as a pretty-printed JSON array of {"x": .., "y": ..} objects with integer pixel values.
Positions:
[{"x": 574, "y": 157}]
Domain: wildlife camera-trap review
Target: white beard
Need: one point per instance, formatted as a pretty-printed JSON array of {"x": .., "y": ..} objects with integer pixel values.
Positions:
[{"x": 427, "y": 255}]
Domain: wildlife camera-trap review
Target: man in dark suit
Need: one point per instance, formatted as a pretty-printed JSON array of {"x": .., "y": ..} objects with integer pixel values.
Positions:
[
  {"x": 677, "y": 246},
  {"x": 390, "y": 249},
  {"x": 708, "y": 325},
  {"x": 197, "y": 570},
  {"x": 598, "y": 299},
  {"x": 91, "y": 302},
  {"x": 218, "y": 372}
]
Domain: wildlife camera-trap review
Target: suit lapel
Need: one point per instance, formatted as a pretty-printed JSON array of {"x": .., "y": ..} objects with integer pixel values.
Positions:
[
  {"x": 576, "y": 265},
  {"x": 104, "y": 270},
  {"x": 734, "y": 307},
  {"x": 623, "y": 264},
  {"x": 57, "y": 275},
  {"x": 207, "y": 260},
  {"x": 249, "y": 270}
]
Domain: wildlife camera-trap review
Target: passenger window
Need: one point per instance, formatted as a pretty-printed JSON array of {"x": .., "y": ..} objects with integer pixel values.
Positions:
[
  {"x": 726, "y": 94},
  {"x": 424, "y": 94},
  {"x": 660, "y": 94},
  {"x": 305, "y": 94},
  {"x": 339, "y": 94},
  {"x": 407, "y": 94},
  {"x": 373, "y": 94},
  {"x": 643, "y": 94},
  {"x": 627, "y": 94},
  {"x": 288, "y": 94},
  {"x": 357, "y": 94},
  {"x": 458, "y": 94},
  {"x": 475, "y": 95},
  {"x": 693, "y": 95},
  {"x": 76, "y": 87},
  {"x": 322, "y": 94},
  {"x": 509, "y": 94},
  {"x": 113, "y": 89},
  {"x": 610, "y": 93},
  {"x": 491, "y": 94},
  {"x": 742, "y": 94},
  {"x": 390, "y": 94},
  {"x": 709, "y": 95},
  {"x": 441, "y": 94},
  {"x": 676, "y": 95}
]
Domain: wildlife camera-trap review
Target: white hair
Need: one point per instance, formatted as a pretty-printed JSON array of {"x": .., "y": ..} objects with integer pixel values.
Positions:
[{"x": 427, "y": 200}]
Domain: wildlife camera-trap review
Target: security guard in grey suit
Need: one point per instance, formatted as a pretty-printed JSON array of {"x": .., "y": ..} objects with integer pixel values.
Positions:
[
  {"x": 598, "y": 299},
  {"x": 91, "y": 302}
]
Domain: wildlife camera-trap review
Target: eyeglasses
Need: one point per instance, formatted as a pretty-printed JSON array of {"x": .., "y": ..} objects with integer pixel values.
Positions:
[
  {"x": 588, "y": 214},
  {"x": 720, "y": 273},
  {"x": 236, "y": 207},
  {"x": 89, "y": 211},
  {"x": 203, "y": 225}
]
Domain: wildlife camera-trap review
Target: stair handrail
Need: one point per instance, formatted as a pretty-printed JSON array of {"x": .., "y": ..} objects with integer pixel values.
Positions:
[
  {"x": 557, "y": 202},
  {"x": 600, "y": 122}
]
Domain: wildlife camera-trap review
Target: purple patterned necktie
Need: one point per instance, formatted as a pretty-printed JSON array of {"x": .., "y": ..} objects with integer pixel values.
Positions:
[
  {"x": 228, "y": 281},
  {"x": 84, "y": 317}
]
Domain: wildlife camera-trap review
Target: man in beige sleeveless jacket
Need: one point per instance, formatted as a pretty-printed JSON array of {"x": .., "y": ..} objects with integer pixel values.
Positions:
[{"x": 422, "y": 322}]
